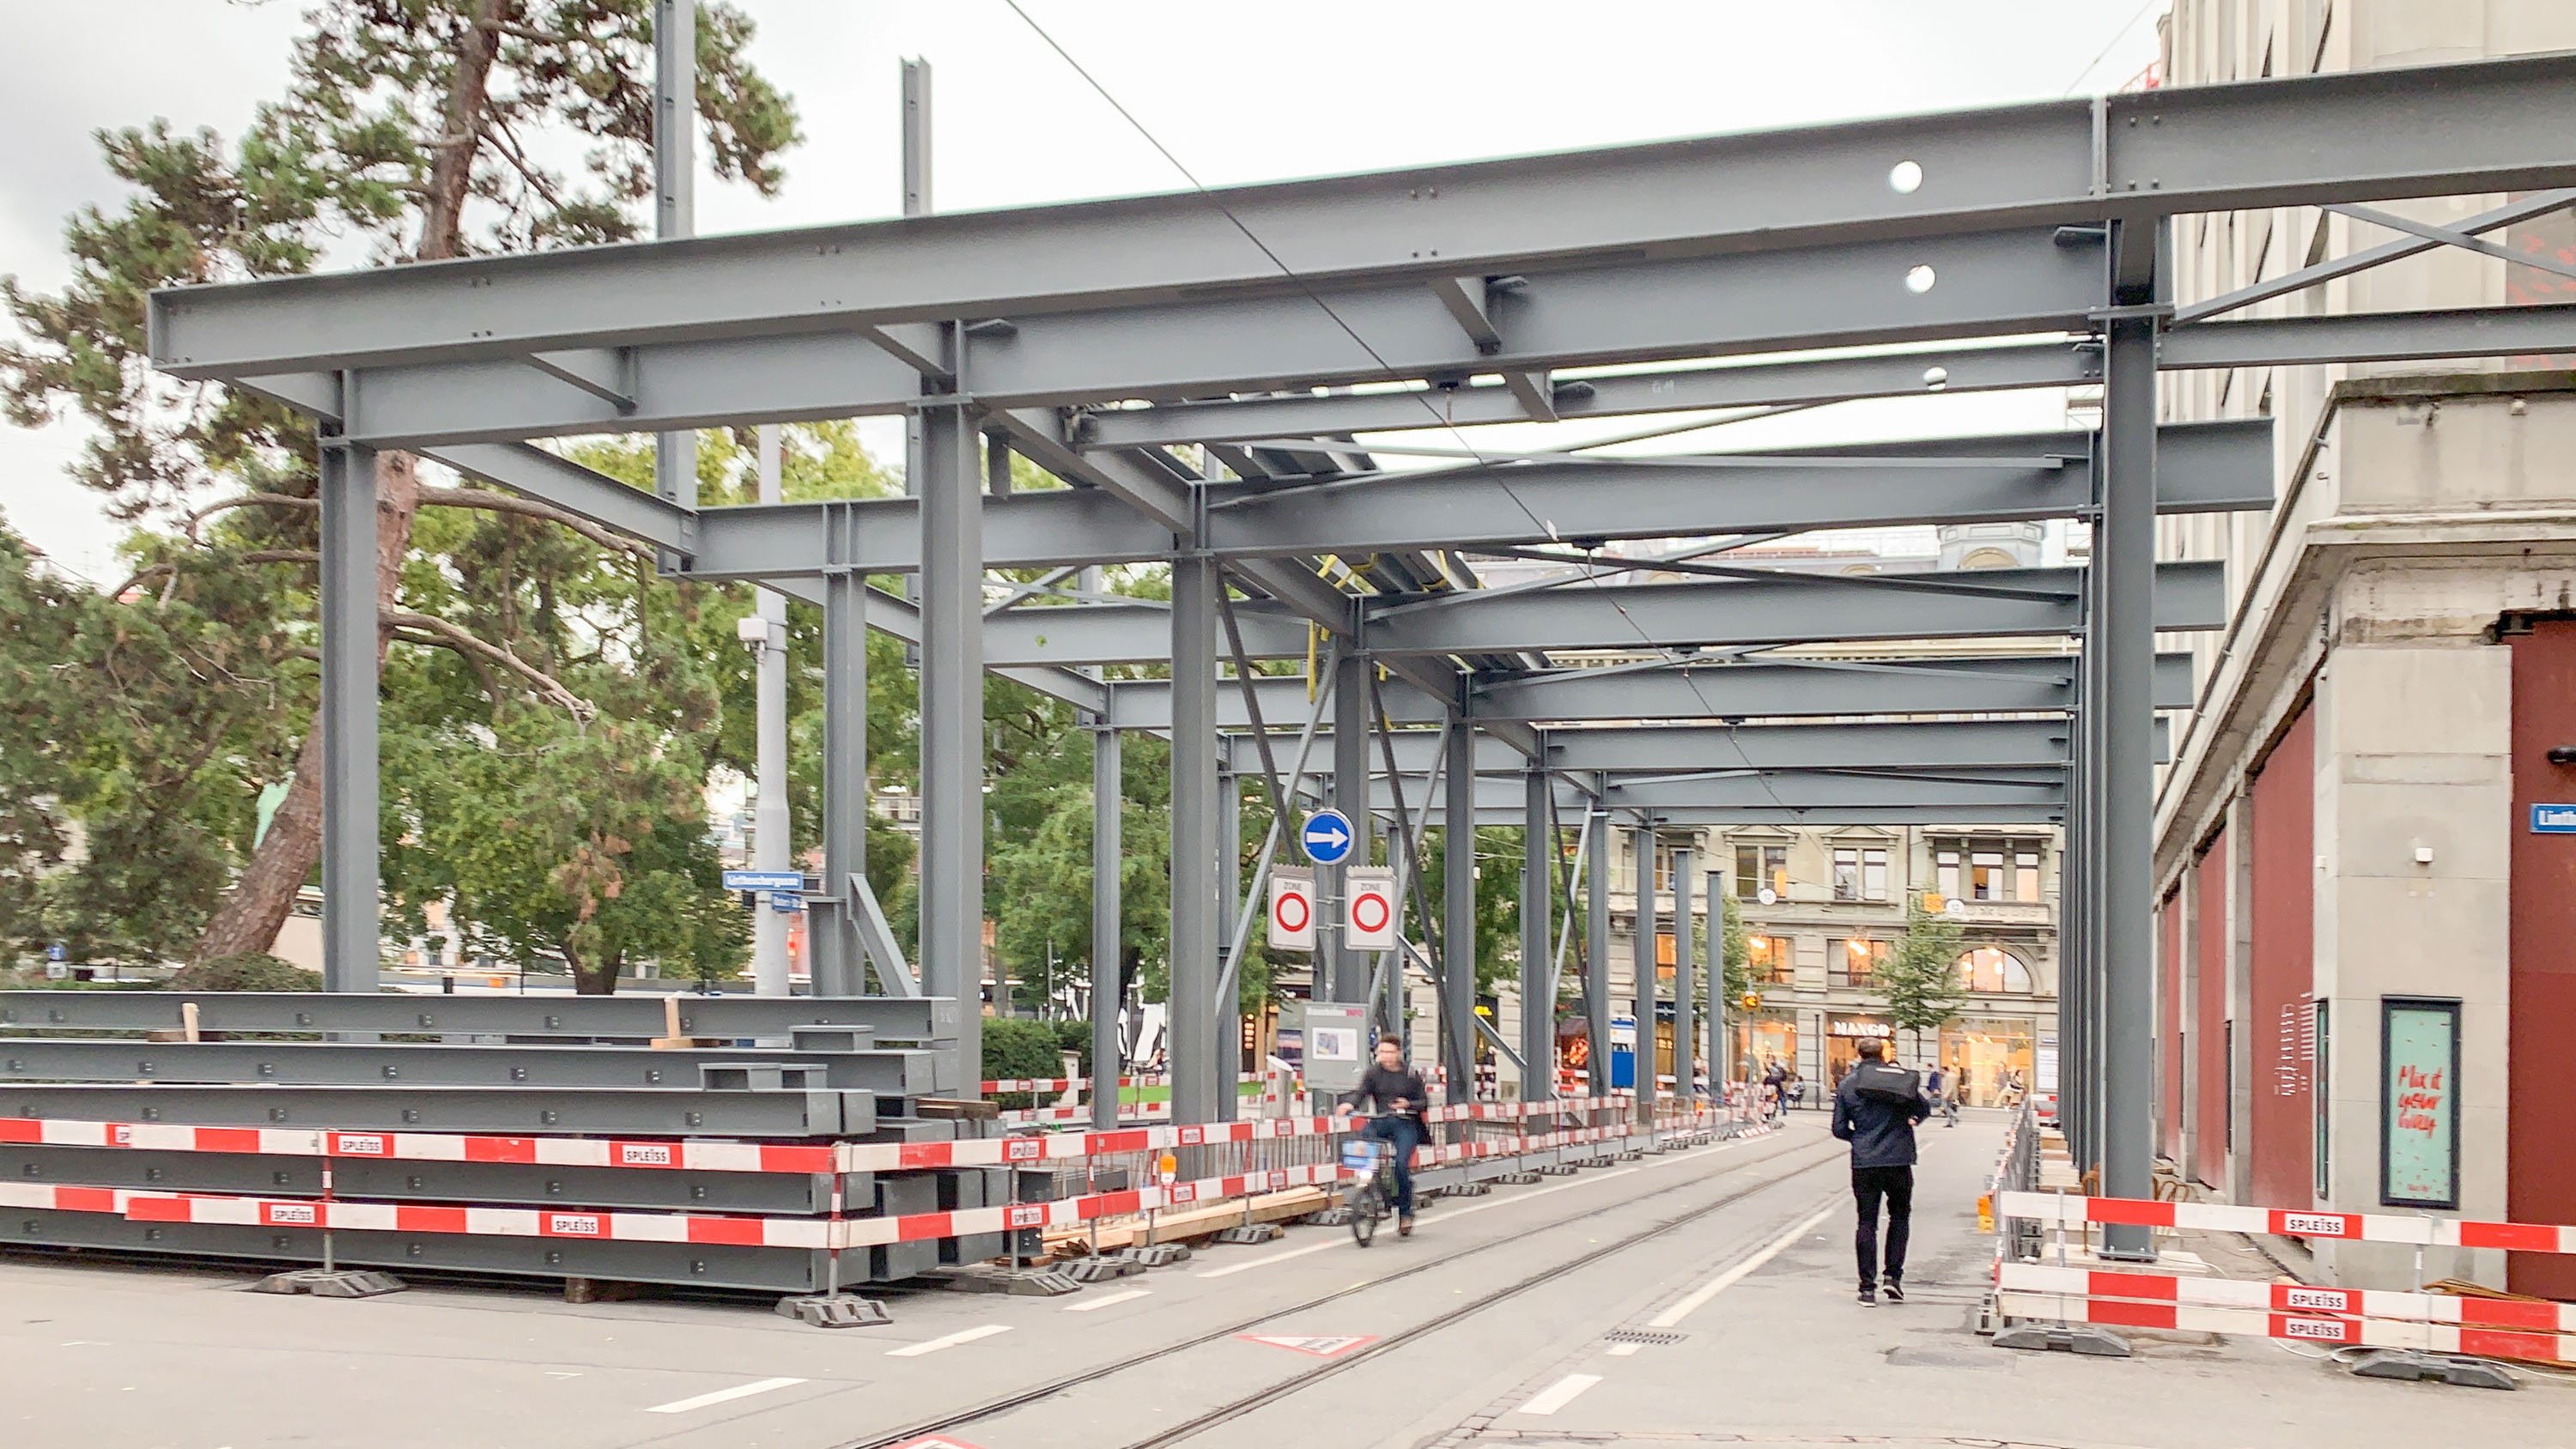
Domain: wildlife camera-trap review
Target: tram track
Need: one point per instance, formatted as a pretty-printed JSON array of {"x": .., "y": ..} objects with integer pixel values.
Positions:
[{"x": 1233, "y": 1409}]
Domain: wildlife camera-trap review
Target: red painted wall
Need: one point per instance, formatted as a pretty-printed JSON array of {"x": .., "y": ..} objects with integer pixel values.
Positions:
[
  {"x": 2540, "y": 1150},
  {"x": 2209, "y": 1010},
  {"x": 2169, "y": 1012},
  {"x": 2284, "y": 971}
]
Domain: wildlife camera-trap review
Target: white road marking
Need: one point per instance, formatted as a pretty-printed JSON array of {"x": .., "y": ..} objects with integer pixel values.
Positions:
[
  {"x": 963, "y": 1335},
  {"x": 1691, "y": 1154},
  {"x": 1086, "y": 1307},
  {"x": 1699, "y": 1296},
  {"x": 1623, "y": 1350},
  {"x": 1559, "y": 1394},
  {"x": 1249, "y": 1264},
  {"x": 720, "y": 1396}
]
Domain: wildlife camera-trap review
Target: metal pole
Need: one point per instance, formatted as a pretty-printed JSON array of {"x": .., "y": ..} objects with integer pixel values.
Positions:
[
  {"x": 1350, "y": 969},
  {"x": 1458, "y": 913},
  {"x": 1685, "y": 983},
  {"x": 1228, "y": 866},
  {"x": 2123, "y": 578},
  {"x": 1596, "y": 951},
  {"x": 1720, "y": 1068},
  {"x": 675, "y": 114},
  {"x": 833, "y": 938},
  {"x": 351, "y": 925},
  {"x": 916, "y": 202},
  {"x": 1644, "y": 966},
  {"x": 952, "y": 727},
  {"x": 1538, "y": 972},
  {"x": 1108, "y": 941},
  {"x": 770, "y": 824},
  {"x": 1194, "y": 1013}
]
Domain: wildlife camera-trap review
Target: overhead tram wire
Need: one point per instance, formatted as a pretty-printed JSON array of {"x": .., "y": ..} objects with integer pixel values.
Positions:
[{"x": 1447, "y": 424}]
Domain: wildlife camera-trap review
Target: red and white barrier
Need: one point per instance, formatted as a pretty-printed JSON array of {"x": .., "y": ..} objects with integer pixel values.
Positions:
[
  {"x": 2294, "y": 1327},
  {"x": 2287, "y": 1297},
  {"x": 2281, "y": 1222}
]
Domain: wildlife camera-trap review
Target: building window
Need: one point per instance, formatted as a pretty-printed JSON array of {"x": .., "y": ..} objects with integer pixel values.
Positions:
[
  {"x": 1996, "y": 873},
  {"x": 1766, "y": 960},
  {"x": 1993, "y": 969},
  {"x": 1860, "y": 874},
  {"x": 1759, "y": 868},
  {"x": 1856, "y": 962}
]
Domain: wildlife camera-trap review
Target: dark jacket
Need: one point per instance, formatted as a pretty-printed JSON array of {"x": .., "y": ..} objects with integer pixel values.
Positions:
[
  {"x": 1875, "y": 1110},
  {"x": 1382, "y": 1087}
]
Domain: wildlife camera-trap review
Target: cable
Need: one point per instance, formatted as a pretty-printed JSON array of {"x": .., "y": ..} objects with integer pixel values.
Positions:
[
  {"x": 2107, "y": 46},
  {"x": 1445, "y": 421}
]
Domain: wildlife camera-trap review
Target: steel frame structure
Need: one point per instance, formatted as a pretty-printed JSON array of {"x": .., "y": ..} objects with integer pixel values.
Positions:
[{"x": 1094, "y": 338}]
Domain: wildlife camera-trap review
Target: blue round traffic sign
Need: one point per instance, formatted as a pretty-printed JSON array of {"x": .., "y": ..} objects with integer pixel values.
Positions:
[{"x": 1327, "y": 837}]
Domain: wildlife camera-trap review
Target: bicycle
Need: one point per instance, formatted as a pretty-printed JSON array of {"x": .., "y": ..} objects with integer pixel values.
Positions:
[{"x": 1371, "y": 1199}]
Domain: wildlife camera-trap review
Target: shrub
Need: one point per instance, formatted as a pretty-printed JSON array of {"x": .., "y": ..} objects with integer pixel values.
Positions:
[{"x": 248, "y": 971}]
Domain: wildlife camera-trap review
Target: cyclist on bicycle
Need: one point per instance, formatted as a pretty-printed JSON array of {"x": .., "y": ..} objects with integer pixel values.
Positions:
[{"x": 1399, "y": 1095}]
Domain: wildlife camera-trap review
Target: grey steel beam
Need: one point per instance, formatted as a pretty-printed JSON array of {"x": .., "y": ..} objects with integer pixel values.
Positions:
[
  {"x": 1108, "y": 936},
  {"x": 2372, "y": 337},
  {"x": 2214, "y": 467},
  {"x": 1596, "y": 952},
  {"x": 675, "y": 119},
  {"x": 352, "y": 657},
  {"x": 1146, "y": 704},
  {"x": 1781, "y": 609},
  {"x": 1458, "y": 918},
  {"x": 834, "y": 939},
  {"x": 2123, "y": 583},
  {"x": 644, "y": 1111},
  {"x": 1489, "y": 813},
  {"x": 1988, "y": 284},
  {"x": 1352, "y": 794},
  {"x": 1791, "y": 687},
  {"x": 1785, "y": 789},
  {"x": 1685, "y": 980},
  {"x": 1538, "y": 965},
  {"x": 1767, "y": 384},
  {"x": 634, "y": 1016},
  {"x": 1642, "y": 966},
  {"x": 952, "y": 725},
  {"x": 892, "y": 1072},
  {"x": 2361, "y": 136},
  {"x": 1874, "y": 744},
  {"x": 1196, "y": 1036}
]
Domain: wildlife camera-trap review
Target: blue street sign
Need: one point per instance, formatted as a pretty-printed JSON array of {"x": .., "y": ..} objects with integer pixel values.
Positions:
[
  {"x": 764, "y": 880},
  {"x": 55, "y": 952},
  {"x": 2553, "y": 819},
  {"x": 787, "y": 902},
  {"x": 1327, "y": 837}
]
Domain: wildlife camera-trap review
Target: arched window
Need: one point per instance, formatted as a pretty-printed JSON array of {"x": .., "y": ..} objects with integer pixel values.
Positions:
[
  {"x": 1989, "y": 558},
  {"x": 1993, "y": 969}
]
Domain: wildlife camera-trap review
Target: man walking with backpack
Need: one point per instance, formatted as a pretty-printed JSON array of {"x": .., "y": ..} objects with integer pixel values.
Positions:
[{"x": 1875, "y": 1109}]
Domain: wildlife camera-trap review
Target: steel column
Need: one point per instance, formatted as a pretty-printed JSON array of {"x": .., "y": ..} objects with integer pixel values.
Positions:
[
  {"x": 1458, "y": 917},
  {"x": 675, "y": 115},
  {"x": 952, "y": 725},
  {"x": 1228, "y": 866},
  {"x": 2124, "y": 639},
  {"x": 1538, "y": 967},
  {"x": 1195, "y": 1012},
  {"x": 834, "y": 938},
  {"x": 1642, "y": 963},
  {"x": 1351, "y": 739},
  {"x": 1719, "y": 1069},
  {"x": 1685, "y": 982},
  {"x": 1108, "y": 941},
  {"x": 352, "y": 929},
  {"x": 1596, "y": 950},
  {"x": 771, "y": 826}
]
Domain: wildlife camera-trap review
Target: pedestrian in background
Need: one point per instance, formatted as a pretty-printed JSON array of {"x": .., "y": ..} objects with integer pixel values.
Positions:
[{"x": 1875, "y": 1109}]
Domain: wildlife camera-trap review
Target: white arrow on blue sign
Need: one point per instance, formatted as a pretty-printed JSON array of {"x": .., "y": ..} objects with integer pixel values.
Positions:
[
  {"x": 764, "y": 880},
  {"x": 1327, "y": 837}
]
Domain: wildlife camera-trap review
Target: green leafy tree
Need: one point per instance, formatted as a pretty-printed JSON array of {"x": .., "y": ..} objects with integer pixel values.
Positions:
[
  {"x": 1921, "y": 976},
  {"x": 409, "y": 131}
]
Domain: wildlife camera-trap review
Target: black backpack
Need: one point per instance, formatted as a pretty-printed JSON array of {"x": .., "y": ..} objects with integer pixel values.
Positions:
[{"x": 1890, "y": 1084}]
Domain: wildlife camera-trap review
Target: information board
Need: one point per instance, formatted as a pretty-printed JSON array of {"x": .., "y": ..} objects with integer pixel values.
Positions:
[{"x": 1336, "y": 1046}]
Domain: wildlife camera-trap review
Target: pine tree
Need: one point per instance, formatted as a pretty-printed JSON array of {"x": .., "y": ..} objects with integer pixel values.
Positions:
[{"x": 411, "y": 128}]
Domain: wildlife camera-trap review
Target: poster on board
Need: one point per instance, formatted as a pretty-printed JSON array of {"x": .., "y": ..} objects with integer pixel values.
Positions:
[{"x": 2419, "y": 1091}]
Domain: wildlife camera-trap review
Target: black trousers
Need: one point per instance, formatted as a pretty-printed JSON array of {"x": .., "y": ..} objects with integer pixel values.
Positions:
[{"x": 1869, "y": 1185}]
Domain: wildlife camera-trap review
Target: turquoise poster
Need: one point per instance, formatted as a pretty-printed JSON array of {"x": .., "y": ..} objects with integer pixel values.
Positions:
[{"x": 2419, "y": 1104}]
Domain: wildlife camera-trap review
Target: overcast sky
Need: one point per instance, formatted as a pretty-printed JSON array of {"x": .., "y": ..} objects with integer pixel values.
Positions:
[{"x": 1240, "y": 91}]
